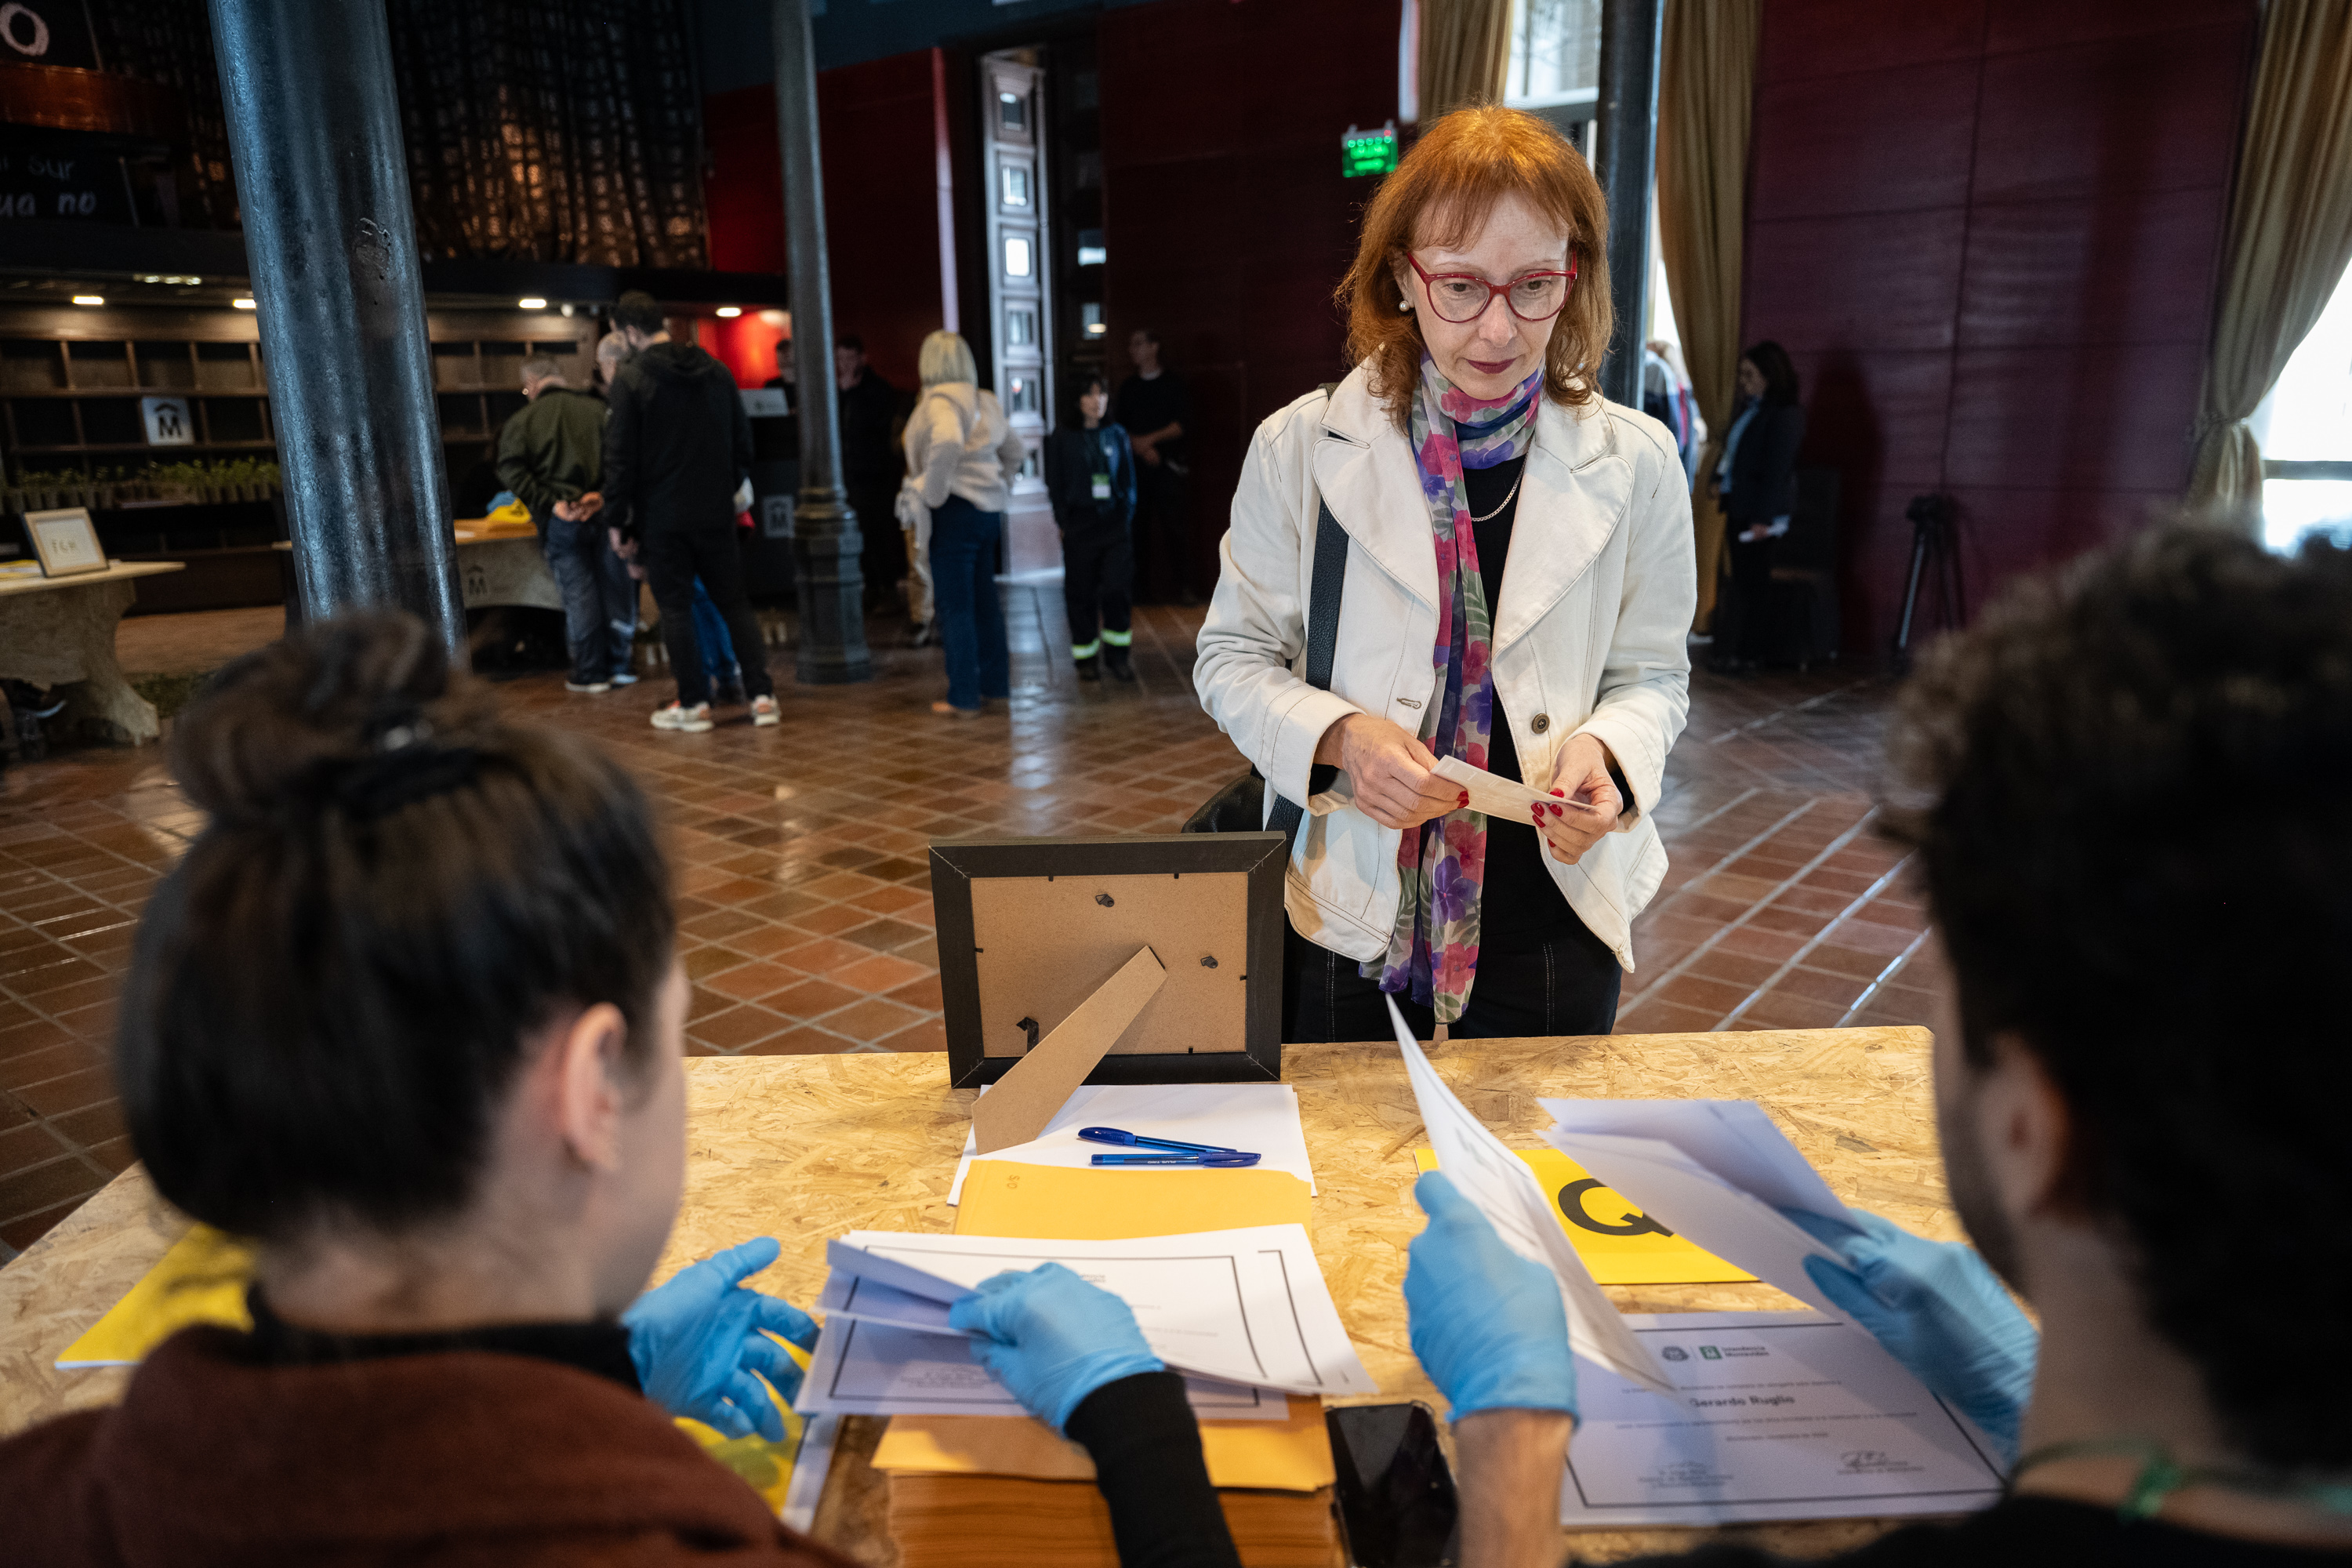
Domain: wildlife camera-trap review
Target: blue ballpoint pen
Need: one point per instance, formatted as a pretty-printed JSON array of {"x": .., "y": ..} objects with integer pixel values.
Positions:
[
  {"x": 1139, "y": 1140},
  {"x": 1227, "y": 1159}
]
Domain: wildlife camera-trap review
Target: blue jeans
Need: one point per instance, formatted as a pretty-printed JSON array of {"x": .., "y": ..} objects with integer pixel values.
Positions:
[
  {"x": 600, "y": 615},
  {"x": 965, "y": 541},
  {"x": 710, "y": 631}
]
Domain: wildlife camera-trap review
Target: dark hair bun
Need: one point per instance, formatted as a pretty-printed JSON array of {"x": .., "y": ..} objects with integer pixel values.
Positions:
[{"x": 275, "y": 725}]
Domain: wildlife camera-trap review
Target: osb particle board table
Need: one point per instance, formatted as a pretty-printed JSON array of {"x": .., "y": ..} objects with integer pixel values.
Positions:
[
  {"x": 804, "y": 1148},
  {"x": 60, "y": 631}
]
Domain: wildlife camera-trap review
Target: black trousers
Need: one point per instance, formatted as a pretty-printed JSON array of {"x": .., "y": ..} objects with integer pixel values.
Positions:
[
  {"x": 1567, "y": 986},
  {"x": 1751, "y": 597},
  {"x": 1164, "y": 535},
  {"x": 674, "y": 557},
  {"x": 1097, "y": 582},
  {"x": 882, "y": 554}
]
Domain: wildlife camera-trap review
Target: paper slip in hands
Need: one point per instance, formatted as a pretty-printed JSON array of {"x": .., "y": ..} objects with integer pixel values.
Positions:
[
  {"x": 1681, "y": 1193},
  {"x": 1499, "y": 1182},
  {"x": 1498, "y": 796}
]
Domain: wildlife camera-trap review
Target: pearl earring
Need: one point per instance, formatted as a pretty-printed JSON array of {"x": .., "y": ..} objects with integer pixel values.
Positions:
[{"x": 1403, "y": 303}]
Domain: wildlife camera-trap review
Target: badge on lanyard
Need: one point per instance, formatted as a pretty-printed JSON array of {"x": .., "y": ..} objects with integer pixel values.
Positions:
[{"x": 1102, "y": 486}]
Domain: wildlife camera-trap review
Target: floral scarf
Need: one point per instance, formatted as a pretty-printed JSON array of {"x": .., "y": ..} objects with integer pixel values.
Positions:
[{"x": 1434, "y": 951}]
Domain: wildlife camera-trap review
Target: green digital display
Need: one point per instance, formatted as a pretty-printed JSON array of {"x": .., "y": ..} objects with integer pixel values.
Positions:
[{"x": 1373, "y": 154}]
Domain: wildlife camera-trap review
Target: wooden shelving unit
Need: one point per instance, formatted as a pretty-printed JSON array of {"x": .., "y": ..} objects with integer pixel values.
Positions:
[{"x": 72, "y": 378}]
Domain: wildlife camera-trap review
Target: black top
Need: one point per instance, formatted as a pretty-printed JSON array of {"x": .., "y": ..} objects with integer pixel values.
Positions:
[
  {"x": 869, "y": 456},
  {"x": 1144, "y": 406},
  {"x": 1073, "y": 455},
  {"x": 601, "y": 1348},
  {"x": 1521, "y": 907},
  {"x": 1762, "y": 484},
  {"x": 678, "y": 442},
  {"x": 2030, "y": 1533},
  {"x": 1146, "y": 1447}
]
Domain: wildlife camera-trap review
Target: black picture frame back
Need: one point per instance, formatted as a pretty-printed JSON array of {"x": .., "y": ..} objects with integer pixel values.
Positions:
[{"x": 1262, "y": 857}]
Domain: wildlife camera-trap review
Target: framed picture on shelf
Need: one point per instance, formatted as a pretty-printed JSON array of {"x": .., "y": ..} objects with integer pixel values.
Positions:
[{"x": 65, "y": 541}]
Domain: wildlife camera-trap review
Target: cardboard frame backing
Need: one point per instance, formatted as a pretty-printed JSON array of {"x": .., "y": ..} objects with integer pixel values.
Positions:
[{"x": 1258, "y": 858}]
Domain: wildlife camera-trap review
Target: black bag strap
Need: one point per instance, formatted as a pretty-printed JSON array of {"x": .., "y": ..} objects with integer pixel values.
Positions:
[{"x": 1323, "y": 594}]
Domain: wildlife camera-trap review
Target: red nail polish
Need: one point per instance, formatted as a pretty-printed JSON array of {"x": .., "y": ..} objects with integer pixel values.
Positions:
[
  {"x": 1466, "y": 798},
  {"x": 1560, "y": 793}
]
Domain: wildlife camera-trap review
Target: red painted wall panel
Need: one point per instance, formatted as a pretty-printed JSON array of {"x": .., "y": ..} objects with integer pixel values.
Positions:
[
  {"x": 1227, "y": 220},
  {"x": 881, "y": 205},
  {"x": 1987, "y": 231}
]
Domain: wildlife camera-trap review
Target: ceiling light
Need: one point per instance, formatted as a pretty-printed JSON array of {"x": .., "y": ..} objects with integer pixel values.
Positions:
[
  {"x": 149, "y": 277},
  {"x": 532, "y": 303},
  {"x": 777, "y": 318},
  {"x": 89, "y": 299},
  {"x": 242, "y": 302},
  {"x": 731, "y": 311}
]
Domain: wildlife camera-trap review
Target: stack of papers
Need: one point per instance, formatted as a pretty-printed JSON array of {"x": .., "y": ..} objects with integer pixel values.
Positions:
[{"x": 1244, "y": 1314}]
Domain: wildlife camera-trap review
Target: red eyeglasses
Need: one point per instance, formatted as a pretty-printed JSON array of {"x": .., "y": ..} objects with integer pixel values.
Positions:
[{"x": 1463, "y": 296}]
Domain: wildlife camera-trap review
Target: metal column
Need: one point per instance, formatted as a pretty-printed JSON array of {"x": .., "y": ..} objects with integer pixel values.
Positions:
[
  {"x": 1629, "y": 33},
  {"x": 314, "y": 123},
  {"x": 825, "y": 540}
]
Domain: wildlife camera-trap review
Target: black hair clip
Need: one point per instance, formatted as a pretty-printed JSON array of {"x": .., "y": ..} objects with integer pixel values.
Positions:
[{"x": 384, "y": 783}]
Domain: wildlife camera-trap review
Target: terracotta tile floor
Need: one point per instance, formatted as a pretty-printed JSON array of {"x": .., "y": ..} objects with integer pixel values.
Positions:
[{"x": 803, "y": 894}]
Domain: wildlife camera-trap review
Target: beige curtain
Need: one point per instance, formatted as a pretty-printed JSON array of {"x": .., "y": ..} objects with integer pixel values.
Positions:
[
  {"x": 2289, "y": 235},
  {"x": 1705, "y": 84},
  {"x": 1465, "y": 51}
]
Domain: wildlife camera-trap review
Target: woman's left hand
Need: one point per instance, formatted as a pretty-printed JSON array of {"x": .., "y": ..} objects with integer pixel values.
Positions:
[
  {"x": 698, "y": 1339},
  {"x": 1587, "y": 805}
]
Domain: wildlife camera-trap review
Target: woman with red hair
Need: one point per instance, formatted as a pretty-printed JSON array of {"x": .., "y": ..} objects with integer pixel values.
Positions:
[{"x": 1519, "y": 585}]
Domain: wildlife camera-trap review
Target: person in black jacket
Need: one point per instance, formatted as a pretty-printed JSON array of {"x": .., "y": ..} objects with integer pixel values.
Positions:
[
  {"x": 1090, "y": 477},
  {"x": 871, "y": 465},
  {"x": 1756, "y": 484},
  {"x": 678, "y": 448}
]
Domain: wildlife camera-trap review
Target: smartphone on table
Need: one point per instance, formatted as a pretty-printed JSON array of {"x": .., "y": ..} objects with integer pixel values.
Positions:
[{"x": 1395, "y": 1490}]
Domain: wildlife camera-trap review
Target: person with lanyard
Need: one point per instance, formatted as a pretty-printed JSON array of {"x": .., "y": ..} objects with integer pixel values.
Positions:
[
  {"x": 1090, "y": 478},
  {"x": 2138, "y": 1090},
  {"x": 1519, "y": 588}
]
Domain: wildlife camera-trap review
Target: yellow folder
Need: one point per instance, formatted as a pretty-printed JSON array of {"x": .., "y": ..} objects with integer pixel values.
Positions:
[
  {"x": 1618, "y": 1242},
  {"x": 200, "y": 1279},
  {"x": 1001, "y": 1197}
]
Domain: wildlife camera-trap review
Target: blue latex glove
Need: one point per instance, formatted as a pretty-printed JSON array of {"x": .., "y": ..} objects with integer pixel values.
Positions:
[
  {"x": 698, "y": 1339},
  {"x": 1487, "y": 1324},
  {"x": 1052, "y": 1338},
  {"x": 1939, "y": 1310}
]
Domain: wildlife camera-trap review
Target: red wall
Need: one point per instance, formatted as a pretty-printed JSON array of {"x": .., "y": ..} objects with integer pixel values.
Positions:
[
  {"x": 878, "y": 128},
  {"x": 1226, "y": 218},
  {"x": 1988, "y": 232}
]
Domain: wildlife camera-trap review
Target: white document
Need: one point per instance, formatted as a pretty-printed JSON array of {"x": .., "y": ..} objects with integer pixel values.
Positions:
[
  {"x": 1498, "y": 796},
  {"x": 851, "y": 1296},
  {"x": 1499, "y": 1182},
  {"x": 1700, "y": 1207},
  {"x": 872, "y": 1369},
  {"x": 1243, "y": 1306},
  {"x": 1733, "y": 1138},
  {"x": 1782, "y": 1416},
  {"x": 810, "y": 1466},
  {"x": 1261, "y": 1118}
]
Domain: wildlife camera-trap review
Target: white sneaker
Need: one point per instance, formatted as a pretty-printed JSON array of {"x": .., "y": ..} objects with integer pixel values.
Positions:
[
  {"x": 624, "y": 678},
  {"x": 677, "y": 716},
  {"x": 763, "y": 712},
  {"x": 592, "y": 688}
]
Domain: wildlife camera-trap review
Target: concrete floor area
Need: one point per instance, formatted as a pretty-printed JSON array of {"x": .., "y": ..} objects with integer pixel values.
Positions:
[{"x": 803, "y": 894}]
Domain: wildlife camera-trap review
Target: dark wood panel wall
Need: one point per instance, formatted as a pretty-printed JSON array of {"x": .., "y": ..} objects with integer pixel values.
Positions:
[
  {"x": 1228, "y": 222},
  {"x": 1987, "y": 231}
]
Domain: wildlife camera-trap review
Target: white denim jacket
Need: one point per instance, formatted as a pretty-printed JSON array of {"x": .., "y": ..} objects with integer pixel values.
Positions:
[{"x": 1588, "y": 636}]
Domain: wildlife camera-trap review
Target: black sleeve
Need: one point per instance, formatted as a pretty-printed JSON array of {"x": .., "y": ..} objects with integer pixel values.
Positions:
[
  {"x": 1146, "y": 1452},
  {"x": 743, "y": 426},
  {"x": 1776, "y": 475},
  {"x": 621, "y": 448}
]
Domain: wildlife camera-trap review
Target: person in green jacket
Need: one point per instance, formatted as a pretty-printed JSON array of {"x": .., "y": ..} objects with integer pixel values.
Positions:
[{"x": 550, "y": 455}]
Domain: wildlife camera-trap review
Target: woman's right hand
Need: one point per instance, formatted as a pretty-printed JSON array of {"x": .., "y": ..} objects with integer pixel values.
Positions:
[{"x": 1389, "y": 770}]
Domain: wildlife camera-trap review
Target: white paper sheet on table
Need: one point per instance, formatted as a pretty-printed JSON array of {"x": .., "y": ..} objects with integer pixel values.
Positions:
[
  {"x": 1243, "y": 1306},
  {"x": 1260, "y": 1117},
  {"x": 871, "y": 1369},
  {"x": 1782, "y": 1416},
  {"x": 1735, "y": 1139},
  {"x": 1499, "y": 1182},
  {"x": 1695, "y": 1203}
]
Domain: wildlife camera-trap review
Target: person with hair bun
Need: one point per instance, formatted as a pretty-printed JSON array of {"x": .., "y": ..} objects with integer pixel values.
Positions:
[
  {"x": 1519, "y": 592},
  {"x": 409, "y": 1013}
]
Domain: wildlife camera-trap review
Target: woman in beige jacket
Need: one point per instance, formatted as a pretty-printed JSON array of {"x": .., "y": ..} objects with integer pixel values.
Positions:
[{"x": 963, "y": 455}]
